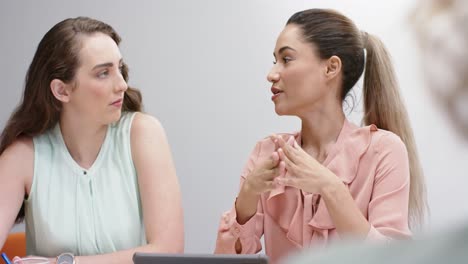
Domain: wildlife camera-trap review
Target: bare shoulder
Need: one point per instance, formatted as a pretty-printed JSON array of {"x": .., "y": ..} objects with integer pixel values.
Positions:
[
  {"x": 150, "y": 147},
  {"x": 17, "y": 161},
  {"x": 146, "y": 133},
  {"x": 20, "y": 149},
  {"x": 144, "y": 123}
]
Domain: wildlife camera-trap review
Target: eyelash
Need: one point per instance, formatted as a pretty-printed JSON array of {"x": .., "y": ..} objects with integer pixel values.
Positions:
[
  {"x": 105, "y": 73},
  {"x": 285, "y": 60}
]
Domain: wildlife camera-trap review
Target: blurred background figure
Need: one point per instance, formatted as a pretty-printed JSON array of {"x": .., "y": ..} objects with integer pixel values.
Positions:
[{"x": 442, "y": 34}]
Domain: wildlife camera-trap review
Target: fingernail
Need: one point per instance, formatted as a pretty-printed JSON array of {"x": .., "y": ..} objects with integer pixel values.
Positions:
[{"x": 275, "y": 155}]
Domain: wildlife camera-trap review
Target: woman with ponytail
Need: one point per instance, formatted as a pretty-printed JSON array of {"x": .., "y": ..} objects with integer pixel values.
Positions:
[{"x": 332, "y": 179}]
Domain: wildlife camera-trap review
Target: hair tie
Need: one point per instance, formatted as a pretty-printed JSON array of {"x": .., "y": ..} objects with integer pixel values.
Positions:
[{"x": 365, "y": 38}]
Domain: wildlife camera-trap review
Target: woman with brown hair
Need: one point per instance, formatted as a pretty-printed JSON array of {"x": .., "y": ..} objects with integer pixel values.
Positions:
[
  {"x": 90, "y": 174},
  {"x": 332, "y": 179},
  {"x": 442, "y": 35}
]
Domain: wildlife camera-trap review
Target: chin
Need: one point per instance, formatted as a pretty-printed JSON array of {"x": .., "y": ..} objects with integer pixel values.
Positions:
[
  {"x": 281, "y": 111},
  {"x": 115, "y": 117}
]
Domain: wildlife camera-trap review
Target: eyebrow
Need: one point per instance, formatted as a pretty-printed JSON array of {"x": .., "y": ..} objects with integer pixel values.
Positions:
[
  {"x": 105, "y": 65},
  {"x": 282, "y": 49}
]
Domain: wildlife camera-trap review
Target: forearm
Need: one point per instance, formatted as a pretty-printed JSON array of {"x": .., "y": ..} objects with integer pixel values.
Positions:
[
  {"x": 246, "y": 204},
  {"x": 344, "y": 212}
]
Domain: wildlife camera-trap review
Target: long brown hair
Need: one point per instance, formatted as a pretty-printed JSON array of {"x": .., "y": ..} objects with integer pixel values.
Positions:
[
  {"x": 56, "y": 57},
  {"x": 333, "y": 34}
]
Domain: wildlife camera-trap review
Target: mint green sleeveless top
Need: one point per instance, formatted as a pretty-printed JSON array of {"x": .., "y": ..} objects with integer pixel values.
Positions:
[{"x": 84, "y": 211}]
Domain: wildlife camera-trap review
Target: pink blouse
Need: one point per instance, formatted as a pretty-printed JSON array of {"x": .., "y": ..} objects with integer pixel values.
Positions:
[{"x": 373, "y": 164}]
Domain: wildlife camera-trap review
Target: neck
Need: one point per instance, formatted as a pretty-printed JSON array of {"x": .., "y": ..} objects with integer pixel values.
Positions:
[
  {"x": 320, "y": 130},
  {"x": 83, "y": 139}
]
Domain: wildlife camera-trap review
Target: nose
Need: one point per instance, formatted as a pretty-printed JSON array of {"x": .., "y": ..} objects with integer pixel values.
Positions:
[
  {"x": 121, "y": 84},
  {"x": 273, "y": 76}
]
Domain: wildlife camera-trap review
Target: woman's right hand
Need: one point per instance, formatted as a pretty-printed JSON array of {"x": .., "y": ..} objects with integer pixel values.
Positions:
[{"x": 261, "y": 179}]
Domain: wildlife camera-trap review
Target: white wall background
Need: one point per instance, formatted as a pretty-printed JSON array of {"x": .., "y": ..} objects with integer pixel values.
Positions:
[{"x": 201, "y": 66}]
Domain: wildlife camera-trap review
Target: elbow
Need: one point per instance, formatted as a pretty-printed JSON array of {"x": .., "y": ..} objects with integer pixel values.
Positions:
[
  {"x": 177, "y": 247},
  {"x": 173, "y": 248},
  {"x": 387, "y": 234},
  {"x": 173, "y": 245}
]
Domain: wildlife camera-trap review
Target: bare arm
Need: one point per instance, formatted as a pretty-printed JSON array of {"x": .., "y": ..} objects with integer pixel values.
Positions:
[
  {"x": 16, "y": 170},
  {"x": 159, "y": 187},
  {"x": 159, "y": 192}
]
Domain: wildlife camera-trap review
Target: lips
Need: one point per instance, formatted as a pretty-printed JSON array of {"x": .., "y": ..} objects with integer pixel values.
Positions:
[
  {"x": 117, "y": 102},
  {"x": 276, "y": 93},
  {"x": 275, "y": 90}
]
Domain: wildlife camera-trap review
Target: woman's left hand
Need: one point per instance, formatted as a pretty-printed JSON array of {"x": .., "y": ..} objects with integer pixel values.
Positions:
[{"x": 305, "y": 172}]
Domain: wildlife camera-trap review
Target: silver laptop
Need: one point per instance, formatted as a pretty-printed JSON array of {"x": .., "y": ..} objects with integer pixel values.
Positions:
[{"x": 153, "y": 258}]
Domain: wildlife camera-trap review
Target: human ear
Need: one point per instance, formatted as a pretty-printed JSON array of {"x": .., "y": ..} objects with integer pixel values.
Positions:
[
  {"x": 60, "y": 90},
  {"x": 333, "y": 66}
]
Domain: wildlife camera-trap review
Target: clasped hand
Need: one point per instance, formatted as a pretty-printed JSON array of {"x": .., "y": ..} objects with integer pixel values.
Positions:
[{"x": 304, "y": 171}]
